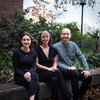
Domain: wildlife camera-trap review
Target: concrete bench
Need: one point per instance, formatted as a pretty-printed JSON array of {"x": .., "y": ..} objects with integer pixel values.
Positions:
[
  {"x": 95, "y": 77},
  {"x": 11, "y": 91}
]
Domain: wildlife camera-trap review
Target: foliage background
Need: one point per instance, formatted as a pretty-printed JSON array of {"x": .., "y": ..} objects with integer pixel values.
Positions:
[{"x": 10, "y": 32}]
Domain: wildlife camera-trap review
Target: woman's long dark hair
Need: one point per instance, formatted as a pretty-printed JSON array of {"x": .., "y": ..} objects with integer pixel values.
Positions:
[
  {"x": 39, "y": 38},
  {"x": 28, "y": 34}
]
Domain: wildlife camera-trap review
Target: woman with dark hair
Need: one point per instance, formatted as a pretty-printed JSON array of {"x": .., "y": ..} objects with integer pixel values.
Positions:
[
  {"x": 47, "y": 67},
  {"x": 24, "y": 60}
]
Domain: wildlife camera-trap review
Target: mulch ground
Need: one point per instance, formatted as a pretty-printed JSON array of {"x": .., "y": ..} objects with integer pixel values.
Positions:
[{"x": 93, "y": 93}]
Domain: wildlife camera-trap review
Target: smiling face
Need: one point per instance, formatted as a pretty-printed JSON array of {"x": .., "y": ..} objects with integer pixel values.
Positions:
[
  {"x": 65, "y": 35},
  {"x": 26, "y": 41},
  {"x": 45, "y": 38}
]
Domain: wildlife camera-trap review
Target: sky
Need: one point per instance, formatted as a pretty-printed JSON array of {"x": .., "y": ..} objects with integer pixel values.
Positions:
[{"x": 91, "y": 18}]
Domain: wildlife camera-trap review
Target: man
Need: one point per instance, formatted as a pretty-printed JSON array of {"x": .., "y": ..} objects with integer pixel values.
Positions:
[{"x": 68, "y": 51}]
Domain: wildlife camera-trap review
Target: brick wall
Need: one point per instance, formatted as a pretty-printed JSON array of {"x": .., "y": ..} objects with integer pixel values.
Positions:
[{"x": 8, "y": 7}]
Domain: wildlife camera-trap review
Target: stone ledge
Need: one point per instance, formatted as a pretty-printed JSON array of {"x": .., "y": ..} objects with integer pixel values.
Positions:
[
  {"x": 95, "y": 73},
  {"x": 11, "y": 91}
]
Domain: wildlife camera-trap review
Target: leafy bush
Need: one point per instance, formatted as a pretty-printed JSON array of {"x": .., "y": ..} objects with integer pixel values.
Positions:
[
  {"x": 93, "y": 59},
  {"x": 11, "y": 30},
  {"x": 90, "y": 40},
  {"x": 6, "y": 71}
]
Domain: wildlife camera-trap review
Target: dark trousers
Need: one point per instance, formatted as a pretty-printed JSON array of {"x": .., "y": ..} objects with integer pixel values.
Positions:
[
  {"x": 32, "y": 86},
  {"x": 75, "y": 76},
  {"x": 56, "y": 82}
]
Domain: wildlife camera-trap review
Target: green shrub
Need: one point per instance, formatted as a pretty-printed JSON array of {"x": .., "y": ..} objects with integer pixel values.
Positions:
[
  {"x": 93, "y": 59},
  {"x": 6, "y": 71}
]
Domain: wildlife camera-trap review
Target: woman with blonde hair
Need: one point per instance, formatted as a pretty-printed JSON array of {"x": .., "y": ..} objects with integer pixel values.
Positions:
[{"x": 47, "y": 67}]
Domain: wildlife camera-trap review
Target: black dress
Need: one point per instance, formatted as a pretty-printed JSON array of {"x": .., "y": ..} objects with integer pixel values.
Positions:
[
  {"x": 55, "y": 79},
  {"x": 25, "y": 62}
]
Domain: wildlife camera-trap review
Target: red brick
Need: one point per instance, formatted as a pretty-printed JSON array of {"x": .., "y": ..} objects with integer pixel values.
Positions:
[{"x": 9, "y": 7}]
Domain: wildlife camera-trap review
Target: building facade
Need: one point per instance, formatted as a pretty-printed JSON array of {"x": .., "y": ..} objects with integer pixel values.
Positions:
[{"x": 9, "y": 7}]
